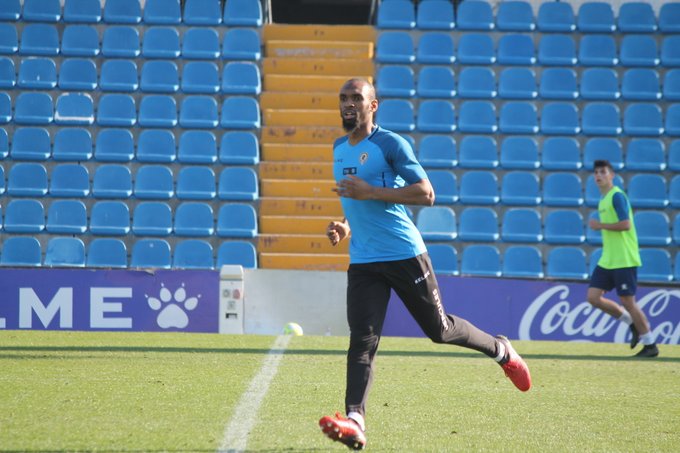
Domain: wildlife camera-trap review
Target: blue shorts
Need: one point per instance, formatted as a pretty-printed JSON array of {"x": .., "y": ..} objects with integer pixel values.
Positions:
[{"x": 623, "y": 279}]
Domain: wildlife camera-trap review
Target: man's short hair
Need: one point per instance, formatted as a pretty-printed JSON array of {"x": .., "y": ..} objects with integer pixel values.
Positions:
[{"x": 602, "y": 163}]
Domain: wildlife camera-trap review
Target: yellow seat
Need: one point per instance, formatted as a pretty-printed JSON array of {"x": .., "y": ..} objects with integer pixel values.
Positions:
[
  {"x": 281, "y": 224},
  {"x": 306, "y": 83},
  {"x": 349, "y": 67},
  {"x": 298, "y": 117},
  {"x": 328, "y": 208},
  {"x": 301, "y": 135},
  {"x": 295, "y": 100},
  {"x": 273, "y": 32},
  {"x": 291, "y": 152},
  {"x": 297, "y": 188},
  {"x": 303, "y": 261},
  {"x": 296, "y": 170},
  {"x": 299, "y": 243}
]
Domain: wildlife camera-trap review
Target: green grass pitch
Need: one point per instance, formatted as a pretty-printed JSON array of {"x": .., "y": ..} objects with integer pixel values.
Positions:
[{"x": 123, "y": 392}]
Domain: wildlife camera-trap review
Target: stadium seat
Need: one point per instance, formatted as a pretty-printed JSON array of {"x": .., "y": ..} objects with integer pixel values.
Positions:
[
  {"x": 157, "y": 110},
  {"x": 238, "y": 184},
  {"x": 31, "y": 107},
  {"x": 653, "y": 228},
  {"x": 72, "y": 144},
  {"x": 520, "y": 188},
  {"x": 476, "y": 82},
  {"x": 200, "y": 112},
  {"x": 119, "y": 75},
  {"x": 643, "y": 119},
  {"x": 237, "y": 252},
  {"x": 241, "y": 44},
  {"x": 478, "y": 187},
  {"x": 200, "y": 44},
  {"x": 9, "y": 40},
  {"x": 39, "y": 39},
  {"x": 639, "y": 50},
  {"x": 564, "y": 226},
  {"x": 593, "y": 194},
  {"x": 156, "y": 146},
  {"x": 595, "y": 17},
  {"x": 80, "y": 41},
  {"x": 558, "y": 83},
  {"x": 600, "y": 84},
  {"x": 202, "y": 12},
  {"x": 24, "y": 216},
  {"x": 481, "y": 260},
  {"x": 194, "y": 219},
  {"x": 636, "y": 17},
  {"x": 154, "y": 182},
  {"x": 27, "y": 179},
  {"x": 645, "y": 154},
  {"x": 114, "y": 145},
  {"x": 670, "y": 51},
  {"x": 240, "y": 112},
  {"x": 151, "y": 253},
  {"x": 674, "y": 194},
  {"x": 648, "y": 191},
  {"x": 237, "y": 220},
  {"x": 242, "y": 13},
  {"x": 597, "y": 50},
  {"x": 30, "y": 143},
  {"x": 641, "y": 84},
  {"x": 396, "y": 81},
  {"x": 557, "y": 50},
  {"x": 152, "y": 218},
  {"x": 562, "y": 189},
  {"x": 515, "y": 16},
  {"x": 107, "y": 253},
  {"x": 603, "y": 149},
  {"x": 5, "y": 108},
  {"x": 436, "y": 82},
  {"x": 69, "y": 180},
  {"x": 11, "y": 10},
  {"x": 671, "y": 85},
  {"x": 445, "y": 186},
  {"x": 116, "y": 110},
  {"x": 110, "y": 218},
  {"x": 477, "y": 151},
  {"x": 123, "y": 12},
  {"x": 161, "y": 42},
  {"x": 475, "y": 16},
  {"x": 518, "y": 117},
  {"x": 672, "y": 124},
  {"x": 476, "y": 49},
  {"x": 239, "y": 148},
  {"x": 444, "y": 259},
  {"x": 396, "y": 115},
  {"x": 478, "y": 225},
  {"x": 521, "y": 225},
  {"x": 396, "y": 14},
  {"x": 197, "y": 147},
  {"x": 593, "y": 237},
  {"x": 162, "y": 12},
  {"x": 519, "y": 153},
  {"x": 8, "y": 77},
  {"x": 66, "y": 217},
  {"x": 436, "y": 115},
  {"x": 78, "y": 74},
  {"x": 567, "y": 263},
  {"x": 74, "y": 109},
  {"x": 37, "y": 73},
  {"x": 523, "y": 261},
  {"x": 435, "y": 48},
  {"x": 674, "y": 156},
  {"x": 241, "y": 77},
  {"x": 560, "y": 118},
  {"x": 200, "y": 77},
  {"x": 112, "y": 181},
  {"x": 656, "y": 265},
  {"x": 435, "y": 15},
  {"x": 601, "y": 118},
  {"x": 669, "y": 18},
  {"x": 159, "y": 77},
  {"x": 676, "y": 229},
  {"x": 121, "y": 41},
  {"x": 517, "y": 83},
  {"x": 21, "y": 251},
  {"x": 556, "y": 17},
  {"x": 196, "y": 183},
  {"x": 396, "y": 47},
  {"x": 4, "y": 150},
  {"x": 438, "y": 151},
  {"x": 193, "y": 254}
]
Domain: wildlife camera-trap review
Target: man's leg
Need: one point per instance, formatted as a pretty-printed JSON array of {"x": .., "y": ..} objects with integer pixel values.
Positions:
[
  {"x": 639, "y": 318},
  {"x": 596, "y": 299}
]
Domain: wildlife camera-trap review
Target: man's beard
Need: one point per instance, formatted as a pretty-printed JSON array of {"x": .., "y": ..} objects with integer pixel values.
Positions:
[{"x": 350, "y": 125}]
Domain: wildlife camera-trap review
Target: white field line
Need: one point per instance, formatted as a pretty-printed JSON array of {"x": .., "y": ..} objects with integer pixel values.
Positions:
[{"x": 243, "y": 420}]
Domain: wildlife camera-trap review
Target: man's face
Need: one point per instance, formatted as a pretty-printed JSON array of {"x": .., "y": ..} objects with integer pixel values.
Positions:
[
  {"x": 357, "y": 105},
  {"x": 603, "y": 176}
]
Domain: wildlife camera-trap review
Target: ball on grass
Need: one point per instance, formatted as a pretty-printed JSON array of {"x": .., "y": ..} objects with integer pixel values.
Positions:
[{"x": 292, "y": 328}]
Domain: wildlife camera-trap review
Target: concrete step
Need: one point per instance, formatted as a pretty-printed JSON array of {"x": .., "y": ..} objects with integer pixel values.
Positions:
[
  {"x": 286, "y": 188},
  {"x": 328, "y": 208},
  {"x": 306, "y": 83},
  {"x": 283, "y": 224},
  {"x": 296, "y": 170},
  {"x": 318, "y": 49},
  {"x": 296, "y": 153},
  {"x": 299, "y": 243},
  {"x": 349, "y": 67},
  {"x": 300, "y": 135},
  {"x": 319, "y": 32},
  {"x": 296, "y": 100},
  {"x": 303, "y": 261},
  {"x": 301, "y": 117}
]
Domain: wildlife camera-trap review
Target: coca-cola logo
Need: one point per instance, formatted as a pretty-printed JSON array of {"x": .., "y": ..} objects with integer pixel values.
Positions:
[{"x": 551, "y": 316}]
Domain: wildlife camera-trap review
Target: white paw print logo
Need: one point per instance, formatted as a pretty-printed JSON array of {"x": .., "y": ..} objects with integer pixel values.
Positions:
[{"x": 172, "y": 307}]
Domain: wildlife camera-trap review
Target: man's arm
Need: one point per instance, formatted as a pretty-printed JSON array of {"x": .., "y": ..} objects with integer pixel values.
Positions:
[
  {"x": 419, "y": 193},
  {"x": 337, "y": 231},
  {"x": 620, "y": 204}
]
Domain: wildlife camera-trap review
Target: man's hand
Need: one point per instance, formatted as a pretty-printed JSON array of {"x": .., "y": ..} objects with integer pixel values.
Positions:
[
  {"x": 595, "y": 224},
  {"x": 354, "y": 187},
  {"x": 337, "y": 231}
]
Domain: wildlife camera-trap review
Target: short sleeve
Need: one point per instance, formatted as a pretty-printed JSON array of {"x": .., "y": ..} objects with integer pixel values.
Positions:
[
  {"x": 400, "y": 156},
  {"x": 620, "y": 204}
]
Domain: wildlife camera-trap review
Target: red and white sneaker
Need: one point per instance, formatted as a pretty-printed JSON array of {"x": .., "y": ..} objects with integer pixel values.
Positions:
[
  {"x": 343, "y": 430},
  {"x": 514, "y": 366}
]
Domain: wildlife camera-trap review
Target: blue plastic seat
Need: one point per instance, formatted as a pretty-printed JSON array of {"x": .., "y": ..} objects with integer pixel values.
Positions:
[
  {"x": 241, "y": 77},
  {"x": 196, "y": 183},
  {"x": 84, "y": 11},
  {"x": 481, "y": 260},
  {"x": 74, "y": 109},
  {"x": 476, "y": 49},
  {"x": 72, "y": 144},
  {"x": 152, "y": 218},
  {"x": 198, "y": 112},
  {"x": 562, "y": 189},
  {"x": 674, "y": 194},
  {"x": 4, "y": 150},
  {"x": 78, "y": 74},
  {"x": 121, "y": 41},
  {"x": 435, "y": 48},
  {"x": 603, "y": 149},
  {"x": 435, "y": 15},
  {"x": 600, "y": 84},
  {"x": 523, "y": 261},
  {"x": 560, "y": 118},
  {"x": 66, "y": 217},
  {"x": 669, "y": 18},
  {"x": 670, "y": 51},
  {"x": 107, "y": 253},
  {"x": 643, "y": 119},
  {"x": 435, "y": 82},
  {"x": 601, "y": 118},
  {"x": 241, "y": 44},
  {"x": 194, "y": 219},
  {"x": 593, "y": 194},
  {"x": 202, "y": 12},
  {"x": 676, "y": 229},
  {"x": 9, "y": 39},
  {"x": 116, "y": 110},
  {"x": 477, "y": 82},
  {"x": 636, "y": 17},
  {"x": 151, "y": 253},
  {"x": 39, "y": 39},
  {"x": 593, "y": 237},
  {"x": 515, "y": 16},
  {"x": 123, "y": 12},
  {"x": 479, "y": 187},
  {"x": 645, "y": 154},
  {"x": 159, "y": 77},
  {"x": 438, "y": 151},
  {"x": 445, "y": 186},
  {"x": 656, "y": 265},
  {"x": 518, "y": 117},
  {"x": 114, "y": 145},
  {"x": 239, "y": 148},
  {"x": 31, "y": 143},
  {"x": 32, "y": 107},
  {"x": 162, "y": 12},
  {"x": 396, "y": 115},
  {"x": 674, "y": 156},
  {"x": 597, "y": 50},
  {"x": 519, "y": 153},
  {"x": 193, "y": 254},
  {"x": 119, "y": 75},
  {"x": 110, "y": 218},
  {"x": 240, "y": 112},
  {"x": 478, "y": 152},
  {"x": 396, "y": 14},
  {"x": 639, "y": 50},
  {"x": 558, "y": 83},
  {"x": 112, "y": 181},
  {"x": 478, "y": 225},
  {"x": 238, "y": 184},
  {"x": 5, "y": 108},
  {"x": 37, "y": 73},
  {"x": 158, "y": 111},
  {"x": 653, "y": 228},
  {"x": 520, "y": 188},
  {"x": 156, "y": 146},
  {"x": 154, "y": 182},
  {"x": 444, "y": 258},
  {"x": 521, "y": 225},
  {"x": 24, "y": 216},
  {"x": 641, "y": 85},
  {"x": 564, "y": 227},
  {"x": 242, "y": 13},
  {"x": 80, "y": 41},
  {"x": 436, "y": 115},
  {"x": 21, "y": 251},
  {"x": 672, "y": 123},
  {"x": 595, "y": 17},
  {"x": 161, "y": 42},
  {"x": 238, "y": 253},
  {"x": 8, "y": 77},
  {"x": 200, "y": 43},
  {"x": 475, "y": 16},
  {"x": 556, "y": 17},
  {"x": 200, "y": 77},
  {"x": 395, "y": 47},
  {"x": 197, "y": 147},
  {"x": 69, "y": 180},
  {"x": 396, "y": 81},
  {"x": 27, "y": 179},
  {"x": 237, "y": 220},
  {"x": 671, "y": 85},
  {"x": 517, "y": 83},
  {"x": 557, "y": 50},
  {"x": 567, "y": 263},
  {"x": 437, "y": 223},
  {"x": 11, "y": 10},
  {"x": 648, "y": 191}
]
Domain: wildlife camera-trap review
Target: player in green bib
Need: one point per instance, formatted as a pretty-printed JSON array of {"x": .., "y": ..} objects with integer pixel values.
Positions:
[{"x": 617, "y": 268}]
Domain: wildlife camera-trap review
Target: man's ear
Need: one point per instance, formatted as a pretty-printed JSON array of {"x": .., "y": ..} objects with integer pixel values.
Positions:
[{"x": 374, "y": 105}]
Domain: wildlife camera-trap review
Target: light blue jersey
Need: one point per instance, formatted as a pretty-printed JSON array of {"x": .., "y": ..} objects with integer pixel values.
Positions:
[{"x": 380, "y": 231}]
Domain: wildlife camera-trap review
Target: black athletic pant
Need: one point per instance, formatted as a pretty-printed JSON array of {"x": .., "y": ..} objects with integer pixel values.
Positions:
[{"x": 368, "y": 293}]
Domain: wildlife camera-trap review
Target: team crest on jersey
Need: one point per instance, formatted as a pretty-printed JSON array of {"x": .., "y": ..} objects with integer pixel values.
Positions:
[{"x": 363, "y": 158}]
